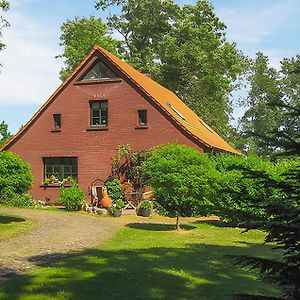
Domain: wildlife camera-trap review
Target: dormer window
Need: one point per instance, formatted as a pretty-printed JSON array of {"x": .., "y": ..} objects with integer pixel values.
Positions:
[
  {"x": 57, "y": 121},
  {"x": 98, "y": 113},
  {"x": 99, "y": 71},
  {"x": 142, "y": 117}
]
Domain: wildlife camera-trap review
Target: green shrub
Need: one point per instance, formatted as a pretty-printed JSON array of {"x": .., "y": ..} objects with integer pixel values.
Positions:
[
  {"x": 22, "y": 200},
  {"x": 241, "y": 197},
  {"x": 17, "y": 200},
  {"x": 114, "y": 189},
  {"x": 116, "y": 205},
  {"x": 15, "y": 174},
  {"x": 183, "y": 180},
  {"x": 145, "y": 204},
  {"x": 71, "y": 197}
]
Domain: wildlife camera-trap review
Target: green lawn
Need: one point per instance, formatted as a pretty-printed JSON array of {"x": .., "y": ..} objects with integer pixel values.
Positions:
[
  {"x": 11, "y": 226},
  {"x": 151, "y": 261}
]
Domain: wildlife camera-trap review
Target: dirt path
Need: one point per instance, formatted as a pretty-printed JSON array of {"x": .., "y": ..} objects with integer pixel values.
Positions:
[
  {"x": 58, "y": 233},
  {"x": 53, "y": 233}
]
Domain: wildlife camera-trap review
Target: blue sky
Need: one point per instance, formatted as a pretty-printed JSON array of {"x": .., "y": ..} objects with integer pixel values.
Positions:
[{"x": 30, "y": 71}]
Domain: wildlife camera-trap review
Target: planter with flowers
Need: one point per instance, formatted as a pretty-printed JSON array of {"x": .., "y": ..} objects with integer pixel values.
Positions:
[
  {"x": 116, "y": 208},
  {"x": 144, "y": 208}
]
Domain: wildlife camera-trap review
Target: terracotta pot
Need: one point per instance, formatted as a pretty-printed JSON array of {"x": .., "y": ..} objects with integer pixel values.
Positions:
[{"x": 105, "y": 202}]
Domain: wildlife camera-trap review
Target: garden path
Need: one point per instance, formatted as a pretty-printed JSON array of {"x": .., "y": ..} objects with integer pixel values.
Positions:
[{"x": 55, "y": 233}]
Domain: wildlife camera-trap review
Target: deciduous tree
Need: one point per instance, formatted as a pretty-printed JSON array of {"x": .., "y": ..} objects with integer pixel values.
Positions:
[
  {"x": 183, "y": 180},
  {"x": 4, "y": 133},
  {"x": 78, "y": 38},
  {"x": 271, "y": 120}
]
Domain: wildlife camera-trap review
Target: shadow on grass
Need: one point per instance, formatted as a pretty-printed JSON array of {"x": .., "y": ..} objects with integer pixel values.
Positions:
[
  {"x": 253, "y": 297},
  {"x": 10, "y": 219},
  {"x": 159, "y": 227},
  {"x": 216, "y": 223},
  {"x": 198, "y": 271}
]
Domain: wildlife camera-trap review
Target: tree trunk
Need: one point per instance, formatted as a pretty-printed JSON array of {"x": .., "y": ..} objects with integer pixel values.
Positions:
[{"x": 177, "y": 223}]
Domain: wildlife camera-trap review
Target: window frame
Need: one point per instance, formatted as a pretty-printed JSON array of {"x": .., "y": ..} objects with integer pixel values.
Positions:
[
  {"x": 57, "y": 122},
  {"x": 140, "y": 116},
  {"x": 100, "y": 125},
  {"x": 61, "y": 172},
  {"x": 96, "y": 78}
]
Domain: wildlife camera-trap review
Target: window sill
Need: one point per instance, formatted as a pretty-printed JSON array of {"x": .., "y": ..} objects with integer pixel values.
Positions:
[
  {"x": 103, "y": 128},
  {"x": 141, "y": 127},
  {"x": 94, "y": 81},
  {"x": 56, "y": 130},
  {"x": 53, "y": 185}
]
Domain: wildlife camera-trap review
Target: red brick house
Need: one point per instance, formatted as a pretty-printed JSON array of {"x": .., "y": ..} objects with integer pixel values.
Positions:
[{"x": 102, "y": 104}]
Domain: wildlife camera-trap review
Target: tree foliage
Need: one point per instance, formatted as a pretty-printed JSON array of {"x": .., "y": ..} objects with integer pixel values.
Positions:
[
  {"x": 282, "y": 215},
  {"x": 271, "y": 120},
  {"x": 78, "y": 38},
  {"x": 182, "y": 179},
  {"x": 242, "y": 198},
  {"x": 5, "y": 135},
  {"x": 4, "y": 6}
]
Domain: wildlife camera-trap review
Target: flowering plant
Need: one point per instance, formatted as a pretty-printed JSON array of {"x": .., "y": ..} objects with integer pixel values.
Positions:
[
  {"x": 116, "y": 205},
  {"x": 127, "y": 187}
]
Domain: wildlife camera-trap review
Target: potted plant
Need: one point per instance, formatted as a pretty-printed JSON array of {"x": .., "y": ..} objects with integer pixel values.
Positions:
[
  {"x": 116, "y": 208},
  {"x": 144, "y": 208}
]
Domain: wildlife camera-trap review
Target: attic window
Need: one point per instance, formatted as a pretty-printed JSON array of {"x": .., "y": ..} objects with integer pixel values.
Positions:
[
  {"x": 57, "y": 121},
  {"x": 99, "y": 71},
  {"x": 176, "y": 111},
  {"x": 142, "y": 117}
]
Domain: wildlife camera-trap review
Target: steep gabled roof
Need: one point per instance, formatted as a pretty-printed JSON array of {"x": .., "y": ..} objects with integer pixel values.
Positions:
[
  {"x": 164, "y": 98},
  {"x": 171, "y": 104}
]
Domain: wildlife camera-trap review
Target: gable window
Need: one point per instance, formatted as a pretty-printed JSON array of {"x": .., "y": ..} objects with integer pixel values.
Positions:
[
  {"x": 57, "y": 121},
  {"x": 98, "y": 113},
  {"x": 142, "y": 117},
  {"x": 60, "y": 167},
  {"x": 99, "y": 71}
]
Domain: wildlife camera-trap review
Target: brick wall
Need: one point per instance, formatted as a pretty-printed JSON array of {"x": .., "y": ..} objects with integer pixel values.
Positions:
[{"x": 94, "y": 149}]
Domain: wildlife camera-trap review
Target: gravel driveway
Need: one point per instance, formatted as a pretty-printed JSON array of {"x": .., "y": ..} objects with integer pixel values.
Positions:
[{"x": 55, "y": 233}]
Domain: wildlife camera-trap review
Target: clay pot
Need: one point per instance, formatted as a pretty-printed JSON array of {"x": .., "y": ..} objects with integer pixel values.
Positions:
[{"x": 105, "y": 201}]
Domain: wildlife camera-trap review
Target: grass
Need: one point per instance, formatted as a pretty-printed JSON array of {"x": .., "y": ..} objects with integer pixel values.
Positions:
[
  {"x": 11, "y": 226},
  {"x": 151, "y": 261}
]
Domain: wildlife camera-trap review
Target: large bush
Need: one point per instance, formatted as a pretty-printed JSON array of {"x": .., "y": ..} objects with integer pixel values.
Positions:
[
  {"x": 242, "y": 196},
  {"x": 15, "y": 175},
  {"x": 183, "y": 180},
  {"x": 71, "y": 197}
]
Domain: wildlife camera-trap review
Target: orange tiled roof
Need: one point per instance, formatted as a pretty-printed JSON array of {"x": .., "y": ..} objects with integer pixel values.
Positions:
[
  {"x": 174, "y": 106},
  {"x": 163, "y": 97}
]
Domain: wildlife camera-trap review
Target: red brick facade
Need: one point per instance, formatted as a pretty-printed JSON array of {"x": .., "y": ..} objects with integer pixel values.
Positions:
[{"x": 93, "y": 148}]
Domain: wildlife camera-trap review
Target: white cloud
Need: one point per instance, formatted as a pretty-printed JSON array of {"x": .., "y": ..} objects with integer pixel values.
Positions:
[
  {"x": 253, "y": 25},
  {"x": 30, "y": 71}
]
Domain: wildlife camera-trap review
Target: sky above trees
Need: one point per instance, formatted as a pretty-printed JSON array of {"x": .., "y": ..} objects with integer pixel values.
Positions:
[{"x": 30, "y": 72}]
